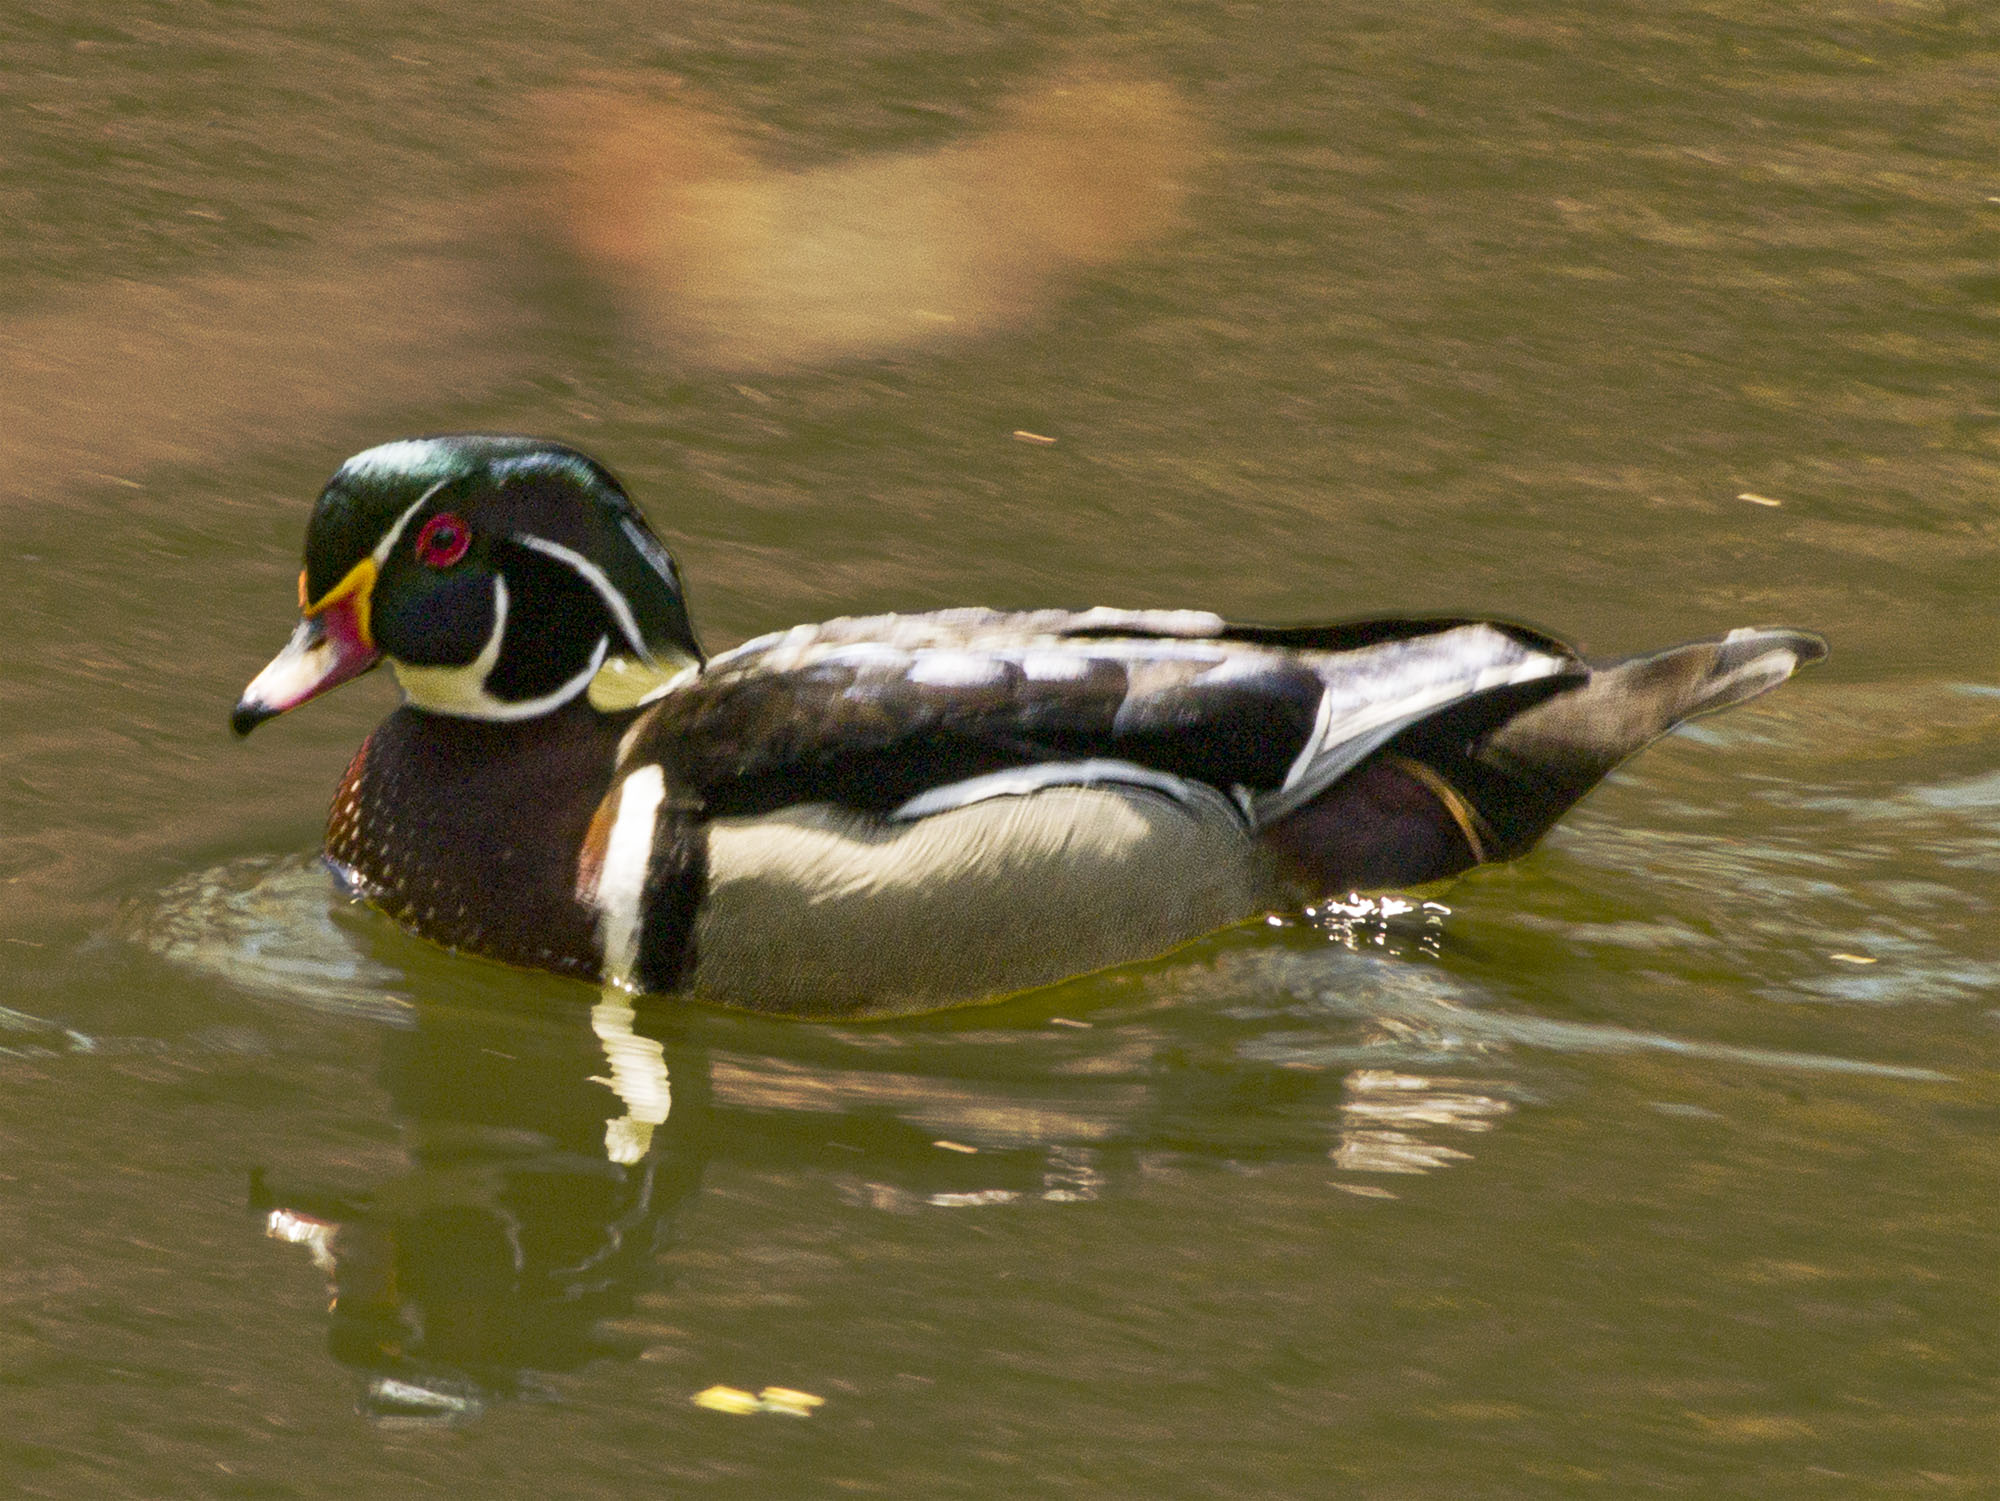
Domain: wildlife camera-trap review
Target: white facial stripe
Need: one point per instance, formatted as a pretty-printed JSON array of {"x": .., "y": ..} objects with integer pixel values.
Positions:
[
  {"x": 621, "y": 880},
  {"x": 648, "y": 547},
  {"x": 389, "y": 538},
  {"x": 461, "y": 691},
  {"x": 613, "y": 597}
]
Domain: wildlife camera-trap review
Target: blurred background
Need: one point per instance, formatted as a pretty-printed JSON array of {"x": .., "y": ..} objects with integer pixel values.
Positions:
[{"x": 1658, "y": 1161}]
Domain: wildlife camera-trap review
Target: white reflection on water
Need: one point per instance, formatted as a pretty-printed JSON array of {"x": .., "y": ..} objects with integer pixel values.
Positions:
[
  {"x": 1413, "y": 1046},
  {"x": 267, "y": 925},
  {"x": 1356, "y": 922},
  {"x": 272, "y": 926},
  {"x": 638, "y": 1078},
  {"x": 1383, "y": 1108},
  {"x": 1426, "y": 1018},
  {"x": 1873, "y": 842},
  {"x": 296, "y": 1229}
]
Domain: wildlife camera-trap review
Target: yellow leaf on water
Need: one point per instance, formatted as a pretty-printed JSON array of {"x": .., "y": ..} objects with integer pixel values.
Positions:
[
  {"x": 792, "y": 1403},
  {"x": 727, "y": 1399},
  {"x": 739, "y": 1403}
]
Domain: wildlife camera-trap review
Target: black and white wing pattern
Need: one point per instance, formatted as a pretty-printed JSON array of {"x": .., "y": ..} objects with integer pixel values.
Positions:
[{"x": 908, "y": 715}]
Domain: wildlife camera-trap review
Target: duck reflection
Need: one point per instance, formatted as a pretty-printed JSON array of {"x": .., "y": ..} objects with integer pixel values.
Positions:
[
  {"x": 547, "y": 1163},
  {"x": 553, "y": 1139},
  {"x": 550, "y": 1155},
  {"x": 552, "y": 1151}
]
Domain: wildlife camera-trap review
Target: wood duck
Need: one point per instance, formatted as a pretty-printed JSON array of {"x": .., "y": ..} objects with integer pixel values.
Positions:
[{"x": 895, "y": 813}]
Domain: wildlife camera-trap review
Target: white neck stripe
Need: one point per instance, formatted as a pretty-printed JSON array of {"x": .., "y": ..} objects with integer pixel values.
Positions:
[{"x": 613, "y": 596}]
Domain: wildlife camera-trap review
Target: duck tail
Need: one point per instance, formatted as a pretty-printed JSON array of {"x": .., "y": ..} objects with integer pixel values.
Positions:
[
  {"x": 1487, "y": 777},
  {"x": 1528, "y": 771}
]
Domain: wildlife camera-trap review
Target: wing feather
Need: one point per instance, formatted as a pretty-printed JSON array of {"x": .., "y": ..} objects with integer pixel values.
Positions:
[{"x": 898, "y": 714}]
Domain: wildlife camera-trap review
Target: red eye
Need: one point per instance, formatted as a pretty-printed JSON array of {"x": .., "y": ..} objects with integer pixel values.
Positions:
[{"x": 443, "y": 540}]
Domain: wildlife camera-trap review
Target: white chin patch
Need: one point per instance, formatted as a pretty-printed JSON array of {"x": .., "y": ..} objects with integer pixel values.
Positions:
[{"x": 462, "y": 692}]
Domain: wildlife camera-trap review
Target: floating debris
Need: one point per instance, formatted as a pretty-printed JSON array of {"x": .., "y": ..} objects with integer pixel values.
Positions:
[
  {"x": 1852, "y": 958},
  {"x": 789, "y": 1401},
  {"x": 956, "y": 1146},
  {"x": 978, "y": 1199},
  {"x": 731, "y": 1399},
  {"x": 793, "y": 1404},
  {"x": 1759, "y": 500},
  {"x": 1022, "y": 435}
]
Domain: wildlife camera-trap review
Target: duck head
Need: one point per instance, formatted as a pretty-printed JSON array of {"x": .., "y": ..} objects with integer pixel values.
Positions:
[{"x": 496, "y": 576}]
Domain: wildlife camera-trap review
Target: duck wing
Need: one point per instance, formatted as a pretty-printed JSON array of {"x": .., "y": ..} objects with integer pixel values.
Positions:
[{"x": 907, "y": 715}]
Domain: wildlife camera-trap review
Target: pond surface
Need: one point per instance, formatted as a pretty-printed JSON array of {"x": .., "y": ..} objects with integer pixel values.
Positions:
[{"x": 1663, "y": 1160}]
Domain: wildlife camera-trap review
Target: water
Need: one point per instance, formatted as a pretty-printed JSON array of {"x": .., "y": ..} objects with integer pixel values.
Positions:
[{"x": 1657, "y": 1162}]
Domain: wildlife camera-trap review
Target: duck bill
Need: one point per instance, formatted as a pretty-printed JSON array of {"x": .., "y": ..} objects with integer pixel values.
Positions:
[{"x": 329, "y": 647}]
